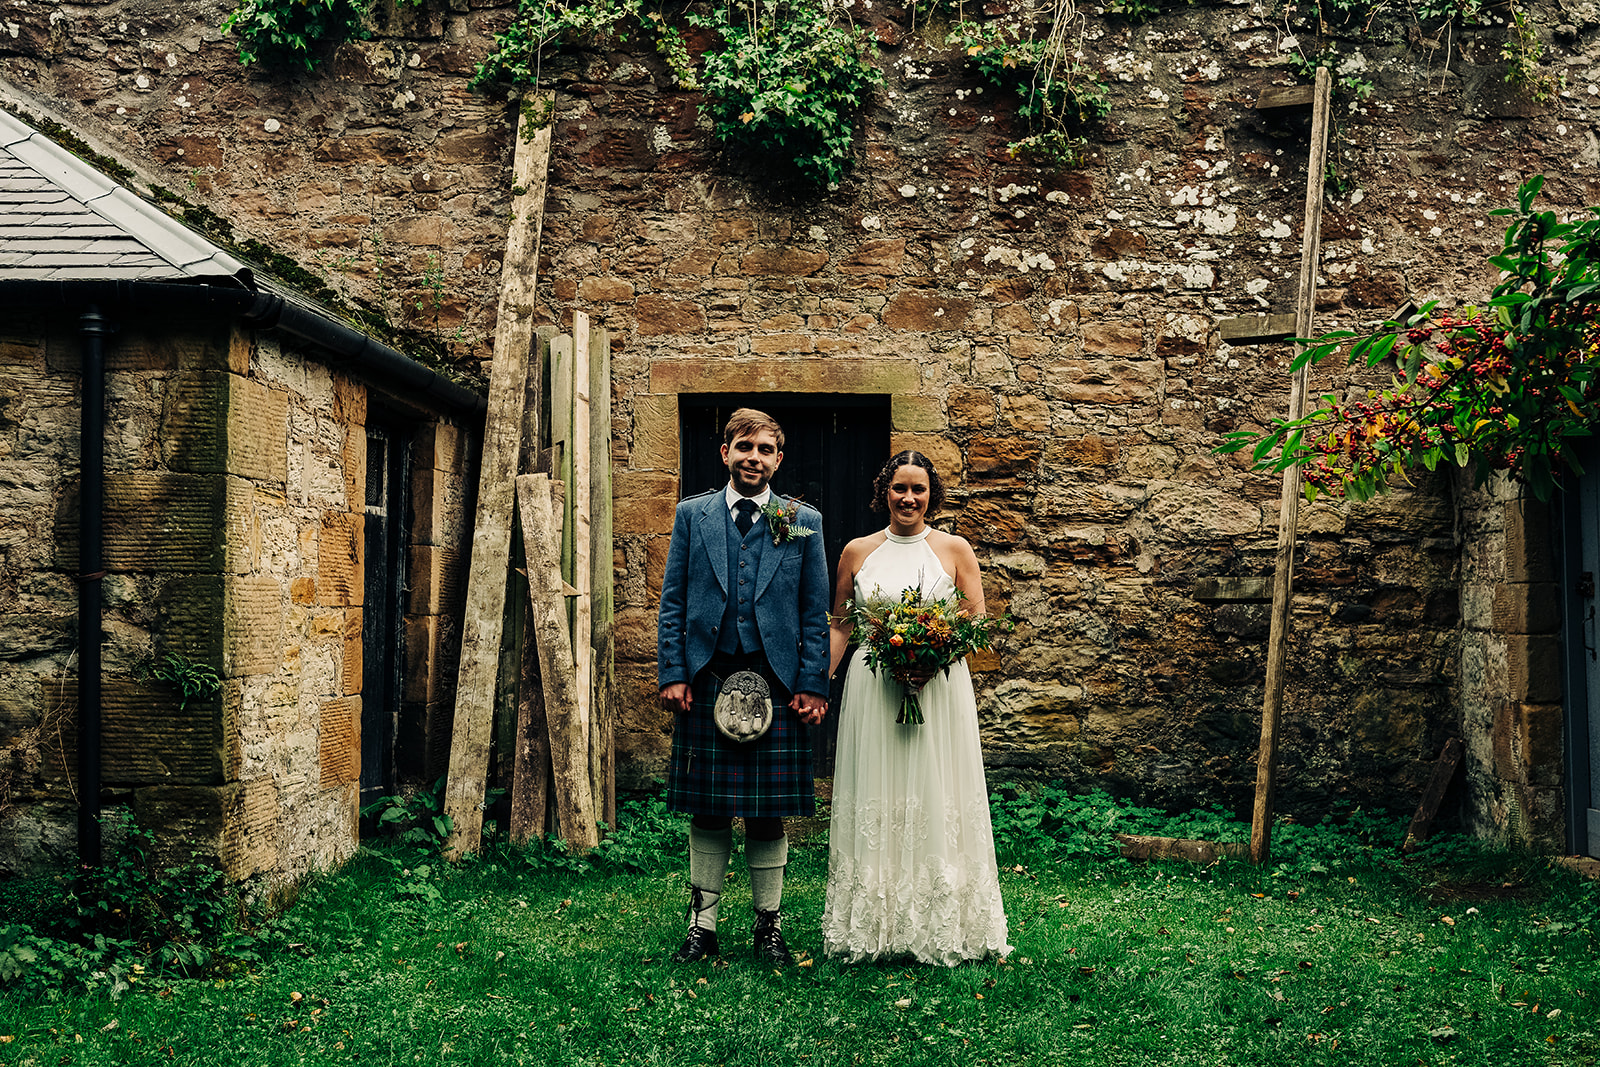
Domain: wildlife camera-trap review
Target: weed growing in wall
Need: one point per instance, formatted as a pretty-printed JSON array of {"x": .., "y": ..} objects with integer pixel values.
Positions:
[
  {"x": 1039, "y": 61},
  {"x": 193, "y": 681}
]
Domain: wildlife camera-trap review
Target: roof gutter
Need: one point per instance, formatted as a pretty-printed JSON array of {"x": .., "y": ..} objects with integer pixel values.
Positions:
[{"x": 344, "y": 344}]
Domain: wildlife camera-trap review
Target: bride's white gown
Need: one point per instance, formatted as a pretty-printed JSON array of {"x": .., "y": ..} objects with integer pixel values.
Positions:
[{"x": 911, "y": 867}]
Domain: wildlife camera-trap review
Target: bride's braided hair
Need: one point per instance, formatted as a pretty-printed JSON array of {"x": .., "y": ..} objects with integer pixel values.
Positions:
[{"x": 908, "y": 458}]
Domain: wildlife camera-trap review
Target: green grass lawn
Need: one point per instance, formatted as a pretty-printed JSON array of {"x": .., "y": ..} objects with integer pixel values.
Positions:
[{"x": 1351, "y": 957}]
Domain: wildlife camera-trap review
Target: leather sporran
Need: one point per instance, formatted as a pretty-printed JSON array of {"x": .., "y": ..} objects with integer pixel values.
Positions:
[{"x": 743, "y": 711}]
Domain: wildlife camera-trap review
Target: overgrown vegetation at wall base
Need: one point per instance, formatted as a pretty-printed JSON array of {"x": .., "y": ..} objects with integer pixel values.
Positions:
[
  {"x": 540, "y": 957},
  {"x": 1511, "y": 386}
]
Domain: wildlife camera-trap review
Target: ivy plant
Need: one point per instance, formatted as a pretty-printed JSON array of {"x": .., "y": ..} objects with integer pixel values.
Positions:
[
  {"x": 786, "y": 85},
  {"x": 543, "y": 27},
  {"x": 1510, "y": 386},
  {"x": 1059, "y": 94},
  {"x": 294, "y": 32}
]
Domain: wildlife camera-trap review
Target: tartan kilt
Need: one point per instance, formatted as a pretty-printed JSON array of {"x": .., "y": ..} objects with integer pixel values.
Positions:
[{"x": 713, "y": 775}]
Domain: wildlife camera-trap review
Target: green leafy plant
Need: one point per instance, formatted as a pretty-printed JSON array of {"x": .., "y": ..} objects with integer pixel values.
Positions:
[
  {"x": 1059, "y": 93},
  {"x": 193, "y": 681},
  {"x": 294, "y": 32},
  {"x": 1506, "y": 387},
  {"x": 416, "y": 819},
  {"x": 542, "y": 27},
  {"x": 1523, "y": 53},
  {"x": 784, "y": 89}
]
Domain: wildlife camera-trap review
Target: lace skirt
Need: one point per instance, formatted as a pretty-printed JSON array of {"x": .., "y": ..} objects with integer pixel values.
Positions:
[{"x": 911, "y": 865}]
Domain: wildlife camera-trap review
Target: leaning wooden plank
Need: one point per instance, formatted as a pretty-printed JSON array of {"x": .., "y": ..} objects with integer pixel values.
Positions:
[
  {"x": 582, "y": 548},
  {"x": 1443, "y": 772},
  {"x": 534, "y": 419},
  {"x": 561, "y": 359},
  {"x": 1289, "y": 496},
  {"x": 1140, "y": 847},
  {"x": 602, "y": 731},
  {"x": 1286, "y": 96},
  {"x": 491, "y": 532},
  {"x": 530, "y": 764},
  {"x": 569, "y": 761}
]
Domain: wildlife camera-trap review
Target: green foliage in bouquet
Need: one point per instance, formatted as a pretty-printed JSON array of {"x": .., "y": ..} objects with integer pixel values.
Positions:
[
  {"x": 1511, "y": 386},
  {"x": 906, "y": 636}
]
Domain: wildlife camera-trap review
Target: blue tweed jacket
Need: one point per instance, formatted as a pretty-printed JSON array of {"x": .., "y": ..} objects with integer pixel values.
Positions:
[{"x": 791, "y": 597}]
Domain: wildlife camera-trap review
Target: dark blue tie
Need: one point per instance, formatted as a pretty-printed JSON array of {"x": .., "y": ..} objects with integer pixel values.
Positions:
[{"x": 746, "y": 516}]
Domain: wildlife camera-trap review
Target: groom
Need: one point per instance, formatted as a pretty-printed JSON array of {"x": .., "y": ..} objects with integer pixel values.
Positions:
[{"x": 746, "y": 589}]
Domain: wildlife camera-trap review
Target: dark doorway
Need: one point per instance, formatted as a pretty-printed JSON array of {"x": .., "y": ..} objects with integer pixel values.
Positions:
[
  {"x": 833, "y": 446},
  {"x": 385, "y": 507}
]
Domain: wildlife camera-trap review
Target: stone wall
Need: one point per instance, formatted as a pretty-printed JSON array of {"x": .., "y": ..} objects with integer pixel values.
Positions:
[
  {"x": 233, "y": 538},
  {"x": 1050, "y": 339}
]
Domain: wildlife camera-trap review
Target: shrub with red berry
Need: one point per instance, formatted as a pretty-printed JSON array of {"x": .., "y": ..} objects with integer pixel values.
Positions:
[{"x": 1505, "y": 387}]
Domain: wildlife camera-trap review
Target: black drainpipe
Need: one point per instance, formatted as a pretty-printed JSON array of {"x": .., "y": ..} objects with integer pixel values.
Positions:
[{"x": 91, "y": 569}]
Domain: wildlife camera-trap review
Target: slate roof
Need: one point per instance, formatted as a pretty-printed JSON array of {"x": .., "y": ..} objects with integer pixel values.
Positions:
[{"x": 63, "y": 220}]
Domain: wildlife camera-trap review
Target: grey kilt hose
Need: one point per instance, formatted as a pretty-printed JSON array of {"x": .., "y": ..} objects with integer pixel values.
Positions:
[{"x": 714, "y": 775}]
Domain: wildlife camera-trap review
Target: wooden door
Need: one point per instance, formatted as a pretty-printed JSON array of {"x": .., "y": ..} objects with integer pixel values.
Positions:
[
  {"x": 384, "y": 530},
  {"x": 833, "y": 447}
]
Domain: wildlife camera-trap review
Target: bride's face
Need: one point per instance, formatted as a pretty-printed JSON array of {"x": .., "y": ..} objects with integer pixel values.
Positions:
[{"x": 908, "y": 497}]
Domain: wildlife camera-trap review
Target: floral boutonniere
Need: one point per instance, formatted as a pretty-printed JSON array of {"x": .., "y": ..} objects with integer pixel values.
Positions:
[{"x": 780, "y": 520}]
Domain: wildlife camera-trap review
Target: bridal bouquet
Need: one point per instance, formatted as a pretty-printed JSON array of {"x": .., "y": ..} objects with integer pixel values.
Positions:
[{"x": 907, "y": 635}]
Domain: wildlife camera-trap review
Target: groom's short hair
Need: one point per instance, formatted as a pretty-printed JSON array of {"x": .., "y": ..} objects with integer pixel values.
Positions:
[{"x": 747, "y": 422}]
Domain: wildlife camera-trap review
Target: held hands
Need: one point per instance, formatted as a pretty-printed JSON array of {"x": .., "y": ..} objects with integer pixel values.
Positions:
[
  {"x": 810, "y": 707},
  {"x": 677, "y": 697}
]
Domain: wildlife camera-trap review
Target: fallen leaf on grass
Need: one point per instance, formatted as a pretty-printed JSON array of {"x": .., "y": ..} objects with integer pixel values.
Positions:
[
  {"x": 903, "y": 1002},
  {"x": 6, "y": 1039},
  {"x": 1447, "y": 920},
  {"x": 1552, "y": 1013}
]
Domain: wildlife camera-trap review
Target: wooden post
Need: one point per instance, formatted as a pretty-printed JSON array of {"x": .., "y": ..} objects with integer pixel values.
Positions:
[
  {"x": 602, "y": 743},
  {"x": 569, "y": 758},
  {"x": 530, "y": 763},
  {"x": 1289, "y": 499},
  {"x": 582, "y": 548},
  {"x": 491, "y": 533},
  {"x": 1443, "y": 772}
]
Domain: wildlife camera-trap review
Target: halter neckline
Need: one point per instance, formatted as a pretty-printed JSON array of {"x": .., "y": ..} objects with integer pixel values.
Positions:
[{"x": 903, "y": 539}]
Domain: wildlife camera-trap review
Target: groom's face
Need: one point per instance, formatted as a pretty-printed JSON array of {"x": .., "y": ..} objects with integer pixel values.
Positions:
[{"x": 752, "y": 461}]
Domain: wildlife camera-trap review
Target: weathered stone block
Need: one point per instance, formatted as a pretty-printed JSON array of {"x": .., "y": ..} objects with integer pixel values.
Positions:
[
  {"x": 422, "y": 681},
  {"x": 1530, "y": 543},
  {"x": 250, "y": 840},
  {"x": 341, "y": 559},
  {"x": 916, "y": 413},
  {"x": 190, "y": 822},
  {"x": 435, "y": 580},
  {"x": 605, "y": 290},
  {"x": 258, "y": 431},
  {"x": 660, "y": 316},
  {"x": 350, "y": 662},
  {"x": 353, "y": 467},
  {"x": 773, "y": 343},
  {"x": 1025, "y": 414},
  {"x": 1533, "y": 668},
  {"x": 783, "y": 260},
  {"x": 993, "y": 458},
  {"x": 885, "y": 376},
  {"x": 440, "y": 446},
  {"x": 194, "y": 423},
  {"x": 991, "y": 521},
  {"x": 926, "y": 312},
  {"x": 1112, "y": 339},
  {"x": 183, "y": 523},
  {"x": 635, "y": 634},
  {"x": 1095, "y": 381},
  {"x": 339, "y": 741},
  {"x": 252, "y": 626},
  {"x": 643, "y": 502},
  {"x": 655, "y": 432},
  {"x": 188, "y": 612},
  {"x": 943, "y": 453},
  {"x": 875, "y": 257},
  {"x": 972, "y": 408},
  {"x": 147, "y": 738},
  {"x": 1527, "y": 608},
  {"x": 655, "y": 565}
]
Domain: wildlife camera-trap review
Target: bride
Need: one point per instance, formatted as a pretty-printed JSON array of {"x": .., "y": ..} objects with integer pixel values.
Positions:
[{"x": 911, "y": 867}]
